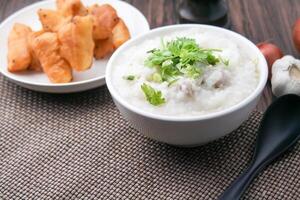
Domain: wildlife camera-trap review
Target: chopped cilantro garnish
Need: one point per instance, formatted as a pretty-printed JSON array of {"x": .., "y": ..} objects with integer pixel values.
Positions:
[
  {"x": 192, "y": 71},
  {"x": 182, "y": 56},
  {"x": 172, "y": 82},
  {"x": 224, "y": 61},
  {"x": 153, "y": 96},
  {"x": 129, "y": 77}
]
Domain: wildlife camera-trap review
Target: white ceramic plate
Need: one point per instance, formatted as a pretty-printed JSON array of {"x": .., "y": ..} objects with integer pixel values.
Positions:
[{"x": 89, "y": 79}]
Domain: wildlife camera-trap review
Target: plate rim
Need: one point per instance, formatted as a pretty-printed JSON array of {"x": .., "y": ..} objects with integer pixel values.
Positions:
[{"x": 6, "y": 74}]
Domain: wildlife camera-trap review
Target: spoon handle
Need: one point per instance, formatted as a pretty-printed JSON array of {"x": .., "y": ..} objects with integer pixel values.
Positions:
[{"x": 236, "y": 189}]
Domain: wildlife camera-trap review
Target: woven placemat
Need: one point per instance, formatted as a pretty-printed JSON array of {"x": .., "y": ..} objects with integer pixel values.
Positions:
[{"x": 77, "y": 146}]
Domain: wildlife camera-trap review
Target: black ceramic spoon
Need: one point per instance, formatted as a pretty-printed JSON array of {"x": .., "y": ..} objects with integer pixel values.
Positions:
[{"x": 279, "y": 131}]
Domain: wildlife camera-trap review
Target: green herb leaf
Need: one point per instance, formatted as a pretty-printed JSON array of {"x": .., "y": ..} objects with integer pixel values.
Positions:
[
  {"x": 153, "y": 96},
  {"x": 129, "y": 77},
  {"x": 171, "y": 82},
  {"x": 212, "y": 60},
  {"x": 181, "y": 57},
  {"x": 193, "y": 71},
  {"x": 224, "y": 61}
]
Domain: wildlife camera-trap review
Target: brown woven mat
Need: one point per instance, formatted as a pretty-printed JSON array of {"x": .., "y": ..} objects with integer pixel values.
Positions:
[{"x": 77, "y": 146}]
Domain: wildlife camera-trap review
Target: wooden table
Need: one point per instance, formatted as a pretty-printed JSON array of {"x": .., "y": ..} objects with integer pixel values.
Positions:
[{"x": 258, "y": 20}]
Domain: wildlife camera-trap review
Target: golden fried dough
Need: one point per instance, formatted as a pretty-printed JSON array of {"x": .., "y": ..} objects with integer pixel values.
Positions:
[
  {"x": 71, "y": 8},
  {"x": 77, "y": 44},
  {"x": 35, "y": 64},
  {"x": 105, "y": 18},
  {"x": 71, "y": 37},
  {"x": 52, "y": 20},
  {"x": 120, "y": 34},
  {"x": 19, "y": 57},
  {"x": 103, "y": 48},
  {"x": 46, "y": 48}
]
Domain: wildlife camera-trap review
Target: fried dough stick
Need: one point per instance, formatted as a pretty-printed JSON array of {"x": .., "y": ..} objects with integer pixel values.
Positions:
[
  {"x": 77, "y": 44},
  {"x": 52, "y": 20},
  {"x": 120, "y": 34},
  {"x": 46, "y": 48},
  {"x": 71, "y": 8},
  {"x": 105, "y": 18},
  {"x": 19, "y": 57},
  {"x": 35, "y": 64},
  {"x": 103, "y": 48}
]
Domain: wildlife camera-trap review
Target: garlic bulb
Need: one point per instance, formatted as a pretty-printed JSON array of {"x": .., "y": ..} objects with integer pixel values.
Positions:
[{"x": 286, "y": 76}]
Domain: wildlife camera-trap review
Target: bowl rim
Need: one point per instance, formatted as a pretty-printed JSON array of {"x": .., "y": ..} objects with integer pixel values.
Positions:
[{"x": 263, "y": 69}]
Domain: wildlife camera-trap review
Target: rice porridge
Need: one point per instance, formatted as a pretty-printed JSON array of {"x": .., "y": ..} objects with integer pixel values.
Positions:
[{"x": 186, "y": 73}]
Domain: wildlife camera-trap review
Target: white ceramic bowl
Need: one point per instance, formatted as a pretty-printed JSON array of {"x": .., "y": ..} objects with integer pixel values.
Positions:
[{"x": 194, "y": 130}]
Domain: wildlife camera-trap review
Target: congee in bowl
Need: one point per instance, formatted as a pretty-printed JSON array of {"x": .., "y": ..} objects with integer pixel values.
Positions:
[
  {"x": 187, "y": 84},
  {"x": 191, "y": 72}
]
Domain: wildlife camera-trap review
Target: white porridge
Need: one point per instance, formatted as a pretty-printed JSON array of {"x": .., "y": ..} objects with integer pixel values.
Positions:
[{"x": 186, "y": 73}]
